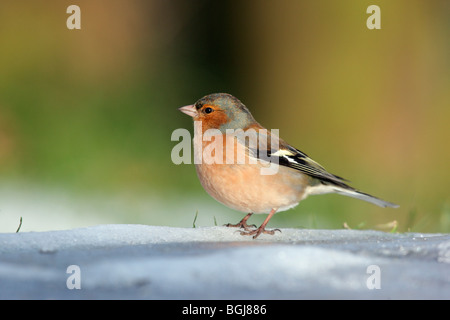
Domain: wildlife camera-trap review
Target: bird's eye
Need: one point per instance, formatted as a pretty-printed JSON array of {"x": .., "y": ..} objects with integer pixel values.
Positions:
[{"x": 208, "y": 110}]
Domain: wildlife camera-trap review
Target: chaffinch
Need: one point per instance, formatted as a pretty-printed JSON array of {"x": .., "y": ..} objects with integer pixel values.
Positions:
[{"x": 241, "y": 185}]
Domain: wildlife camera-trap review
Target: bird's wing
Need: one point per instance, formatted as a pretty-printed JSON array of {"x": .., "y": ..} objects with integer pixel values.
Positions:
[
  {"x": 291, "y": 157},
  {"x": 271, "y": 148}
]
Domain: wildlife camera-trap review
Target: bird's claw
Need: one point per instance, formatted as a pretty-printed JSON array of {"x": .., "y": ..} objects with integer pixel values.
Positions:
[
  {"x": 258, "y": 231},
  {"x": 241, "y": 224}
]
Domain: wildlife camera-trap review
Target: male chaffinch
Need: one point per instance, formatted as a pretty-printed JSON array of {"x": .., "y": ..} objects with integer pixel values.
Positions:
[{"x": 242, "y": 186}]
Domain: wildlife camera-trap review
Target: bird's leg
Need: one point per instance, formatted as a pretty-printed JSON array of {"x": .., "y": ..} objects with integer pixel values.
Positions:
[
  {"x": 262, "y": 228},
  {"x": 242, "y": 223}
]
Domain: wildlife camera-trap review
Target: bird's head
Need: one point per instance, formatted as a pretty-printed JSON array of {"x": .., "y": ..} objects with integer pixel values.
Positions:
[{"x": 220, "y": 111}]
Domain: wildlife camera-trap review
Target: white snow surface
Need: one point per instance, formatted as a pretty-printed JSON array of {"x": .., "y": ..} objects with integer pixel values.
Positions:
[{"x": 154, "y": 262}]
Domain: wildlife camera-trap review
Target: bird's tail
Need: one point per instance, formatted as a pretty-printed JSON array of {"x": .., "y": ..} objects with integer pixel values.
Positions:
[
  {"x": 364, "y": 196},
  {"x": 348, "y": 191}
]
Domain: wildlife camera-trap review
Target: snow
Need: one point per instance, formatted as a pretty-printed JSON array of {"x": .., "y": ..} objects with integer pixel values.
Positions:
[
  {"x": 48, "y": 209},
  {"x": 154, "y": 262}
]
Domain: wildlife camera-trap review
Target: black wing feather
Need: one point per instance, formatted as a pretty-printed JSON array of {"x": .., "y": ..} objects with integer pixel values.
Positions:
[{"x": 300, "y": 161}]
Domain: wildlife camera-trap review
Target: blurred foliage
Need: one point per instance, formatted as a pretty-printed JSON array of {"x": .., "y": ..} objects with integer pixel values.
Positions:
[{"x": 93, "y": 109}]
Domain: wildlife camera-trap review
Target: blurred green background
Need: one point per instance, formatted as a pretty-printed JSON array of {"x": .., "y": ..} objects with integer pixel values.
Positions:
[{"x": 86, "y": 115}]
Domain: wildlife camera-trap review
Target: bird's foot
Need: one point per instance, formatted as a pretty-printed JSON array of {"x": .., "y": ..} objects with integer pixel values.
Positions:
[
  {"x": 241, "y": 224},
  {"x": 255, "y": 233}
]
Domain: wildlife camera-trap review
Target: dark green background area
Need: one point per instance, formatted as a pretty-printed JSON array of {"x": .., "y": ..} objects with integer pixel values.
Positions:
[{"x": 91, "y": 111}]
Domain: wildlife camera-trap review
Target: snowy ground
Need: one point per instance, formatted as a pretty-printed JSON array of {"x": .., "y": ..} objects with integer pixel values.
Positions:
[{"x": 147, "y": 262}]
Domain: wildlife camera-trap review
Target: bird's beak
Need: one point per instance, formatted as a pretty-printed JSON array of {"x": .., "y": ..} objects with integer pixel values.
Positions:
[{"x": 190, "y": 110}]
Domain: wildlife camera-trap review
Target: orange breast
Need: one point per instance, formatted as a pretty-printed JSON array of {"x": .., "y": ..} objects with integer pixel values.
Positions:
[{"x": 242, "y": 186}]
